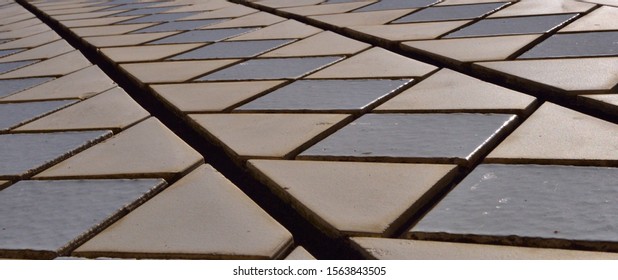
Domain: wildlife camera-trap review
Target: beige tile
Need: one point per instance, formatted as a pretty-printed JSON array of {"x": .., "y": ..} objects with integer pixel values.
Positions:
[
  {"x": 20, "y": 24},
  {"x": 126, "y": 39},
  {"x": 45, "y": 51},
  {"x": 196, "y": 5},
  {"x": 229, "y": 12},
  {"x": 473, "y": 49},
  {"x": 410, "y": 31},
  {"x": 341, "y": 196},
  {"x": 602, "y": 18},
  {"x": 376, "y": 63},
  {"x": 257, "y": 19},
  {"x": 9, "y": 17},
  {"x": 300, "y": 254},
  {"x": 558, "y": 135},
  {"x": 146, "y": 53},
  {"x": 324, "y": 43},
  {"x": 289, "y": 29},
  {"x": 25, "y": 32},
  {"x": 210, "y": 97},
  {"x": 362, "y": 18},
  {"x": 603, "y": 2},
  {"x": 113, "y": 109},
  {"x": 401, "y": 249},
  {"x": 109, "y": 30},
  {"x": 81, "y": 84},
  {"x": 203, "y": 215},
  {"x": 543, "y": 7},
  {"x": 85, "y": 15},
  {"x": 72, "y": 11},
  {"x": 287, "y": 3},
  {"x": 57, "y": 66},
  {"x": 325, "y": 9},
  {"x": 94, "y": 21},
  {"x": 577, "y": 74},
  {"x": 450, "y": 91},
  {"x": 148, "y": 149},
  {"x": 461, "y": 2},
  {"x": 265, "y": 135},
  {"x": 172, "y": 71},
  {"x": 31, "y": 41}
]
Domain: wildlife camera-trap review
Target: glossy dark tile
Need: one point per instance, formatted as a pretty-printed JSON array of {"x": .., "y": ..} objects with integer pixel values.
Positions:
[
  {"x": 396, "y": 4},
  {"x": 512, "y": 25},
  {"x": 47, "y": 216},
  {"x": 10, "y": 66},
  {"x": 8, "y": 87},
  {"x": 530, "y": 201},
  {"x": 236, "y": 49},
  {"x": 325, "y": 95},
  {"x": 178, "y": 26},
  {"x": 576, "y": 45},
  {"x": 26, "y": 153},
  {"x": 4, "y": 53},
  {"x": 14, "y": 114},
  {"x": 145, "y": 11},
  {"x": 450, "y": 12},
  {"x": 273, "y": 68},
  {"x": 159, "y": 18},
  {"x": 199, "y": 36},
  {"x": 434, "y": 138}
]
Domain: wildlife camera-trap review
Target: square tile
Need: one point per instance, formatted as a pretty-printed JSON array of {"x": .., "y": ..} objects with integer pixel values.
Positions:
[
  {"x": 397, "y": 4},
  {"x": 145, "y": 53},
  {"x": 173, "y": 71},
  {"x": 178, "y": 26},
  {"x": 325, "y": 95},
  {"x": 428, "y": 138},
  {"x": 41, "y": 219},
  {"x": 341, "y": 196},
  {"x": 323, "y": 43},
  {"x": 193, "y": 219},
  {"x": 156, "y": 18},
  {"x": 208, "y": 97},
  {"x": 271, "y": 68},
  {"x": 8, "y": 87},
  {"x": 289, "y": 29},
  {"x": 576, "y": 45},
  {"x": 450, "y": 12},
  {"x": 198, "y": 36},
  {"x": 512, "y": 26},
  {"x": 14, "y": 114},
  {"x": 529, "y": 203},
  {"x": 239, "y": 49},
  {"x": 25, "y": 154}
]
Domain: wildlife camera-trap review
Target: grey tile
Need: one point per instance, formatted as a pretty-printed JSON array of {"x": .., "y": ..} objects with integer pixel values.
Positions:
[
  {"x": 235, "y": 49},
  {"x": 178, "y": 26},
  {"x": 4, "y": 53},
  {"x": 10, "y": 66},
  {"x": 145, "y": 11},
  {"x": 530, "y": 201},
  {"x": 8, "y": 87},
  {"x": 432, "y": 138},
  {"x": 127, "y": 6},
  {"x": 41, "y": 218},
  {"x": 25, "y": 153},
  {"x": 199, "y": 36},
  {"x": 450, "y": 12},
  {"x": 159, "y": 18},
  {"x": 576, "y": 45},
  {"x": 396, "y": 5},
  {"x": 273, "y": 68},
  {"x": 325, "y": 95},
  {"x": 14, "y": 114},
  {"x": 512, "y": 25}
]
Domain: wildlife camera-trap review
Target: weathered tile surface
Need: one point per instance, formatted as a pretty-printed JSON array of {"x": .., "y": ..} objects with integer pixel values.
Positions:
[
  {"x": 237, "y": 49},
  {"x": 193, "y": 219},
  {"x": 271, "y": 68},
  {"x": 265, "y": 135},
  {"x": 14, "y": 114},
  {"x": 323, "y": 43},
  {"x": 41, "y": 218},
  {"x": 512, "y": 26},
  {"x": 576, "y": 45},
  {"x": 172, "y": 71},
  {"x": 563, "y": 203},
  {"x": 342, "y": 195},
  {"x": 435, "y": 138}
]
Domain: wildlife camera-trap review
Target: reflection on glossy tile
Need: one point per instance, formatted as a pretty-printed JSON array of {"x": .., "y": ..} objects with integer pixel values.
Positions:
[
  {"x": 8, "y": 87},
  {"x": 325, "y": 95},
  {"x": 178, "y": 25},
  {"x": 10, "y": 66},
  {"x": 14, "y": 114},
  {"x": 24, "y": 154},
  {"x": 512, "y": 26},
  {"x": 451, "y": 12},
  {"x": 232, "y": 49},
  {"x": 529, "y": 201},
  {"x": 203, "y": 215},
  {"x": 435, "y": 138},
  {"x": 198, "y": 36},
  {"x": 341, "y": 196},
  {"x": 159, "y": 17},
  {"x": 576, "y": 45},
  {"x": 271, "y": 68},
  {"x": 397, "y": 4},
  {"x": 41, "y": 218},
  {"x": 401, "y": 249}
]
